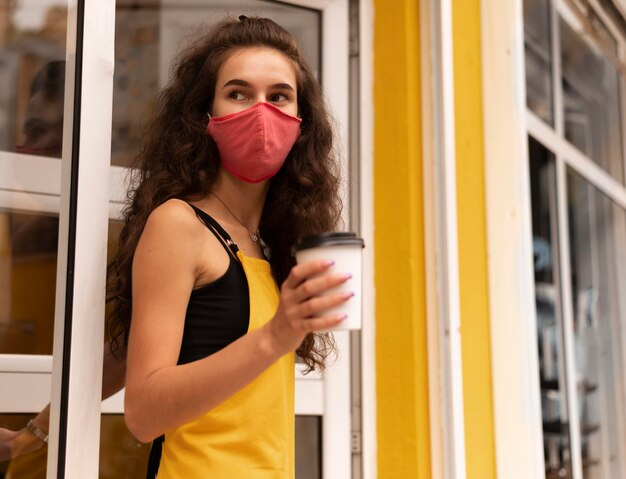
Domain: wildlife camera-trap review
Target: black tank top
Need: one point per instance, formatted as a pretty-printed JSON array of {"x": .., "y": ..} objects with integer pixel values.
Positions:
[{"x": 217, "y": 314}]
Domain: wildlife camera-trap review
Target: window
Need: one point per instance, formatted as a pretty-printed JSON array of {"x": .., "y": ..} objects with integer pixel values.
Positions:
[{"x": 578, "y": 200}]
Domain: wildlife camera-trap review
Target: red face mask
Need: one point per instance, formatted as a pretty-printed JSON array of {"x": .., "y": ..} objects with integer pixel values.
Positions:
[{"x": 254, "y": 143}]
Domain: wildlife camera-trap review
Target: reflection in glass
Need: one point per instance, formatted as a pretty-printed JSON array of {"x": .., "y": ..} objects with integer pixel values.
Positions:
[
  {"x": 29, "y": 465},
  {"x": 556, "y": 438},
  {"x": 591, "y": 99},
  {"x": 32, "y": 75},
  {"x": 538, "y": 53},
  {"x": 597, "y": 232}
]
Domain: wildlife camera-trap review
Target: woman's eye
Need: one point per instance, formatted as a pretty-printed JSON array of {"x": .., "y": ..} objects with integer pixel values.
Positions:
[
  {"x": 237, "y": 95},
  {"x": 277, "y": 97}
]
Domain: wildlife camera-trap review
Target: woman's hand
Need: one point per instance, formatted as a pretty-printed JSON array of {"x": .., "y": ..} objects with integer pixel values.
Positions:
[
  {"x": 17, "y": 443},
  {"x": 301, "y": 303},
  {"x": 6, "y": 443}
]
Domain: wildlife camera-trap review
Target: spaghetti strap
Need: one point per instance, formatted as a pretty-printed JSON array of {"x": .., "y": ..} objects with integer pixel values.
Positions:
[{"x": 219, "y": 232}]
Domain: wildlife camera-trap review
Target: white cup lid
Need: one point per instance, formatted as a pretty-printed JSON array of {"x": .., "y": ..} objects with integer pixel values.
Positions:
[{"x": 340, "y": 238}]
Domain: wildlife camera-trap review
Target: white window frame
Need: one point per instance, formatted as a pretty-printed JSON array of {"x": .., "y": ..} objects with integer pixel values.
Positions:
[{"x": 513, "y": 324}]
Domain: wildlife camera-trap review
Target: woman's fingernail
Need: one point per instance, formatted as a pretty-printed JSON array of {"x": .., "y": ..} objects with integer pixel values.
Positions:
[
  {"x": 348, "y": 294},
  {"x": 342, "y": 317},
  {"x": 328, "y": 262},
  {"x": 345, "y": 276}
]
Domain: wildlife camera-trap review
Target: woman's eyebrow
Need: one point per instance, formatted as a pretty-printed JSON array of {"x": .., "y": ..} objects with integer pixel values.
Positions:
[
  {"x": 237, "y": 82},
  {"x": 243, "y": 83},
  {"x": 283, "y": 86}
]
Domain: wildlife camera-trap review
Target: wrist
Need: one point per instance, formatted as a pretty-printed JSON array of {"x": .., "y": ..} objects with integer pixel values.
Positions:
[
  {"x": 37, "y": 431},
  {"x": 269, "y": 343}
]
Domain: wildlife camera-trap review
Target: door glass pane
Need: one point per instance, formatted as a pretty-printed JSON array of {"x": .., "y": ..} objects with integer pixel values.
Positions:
[
  {"x": 308, "y": 447},
  {"x": 148, "y": 39},
  {"x": 597, "y": 232},
  {"x": 32, "y": 93},
  {"x": 591, "y": 99},
  {"x": 556, "y": 439},
  {"x": 538, "y": 51},
  {"x": 121, "y": 455}
]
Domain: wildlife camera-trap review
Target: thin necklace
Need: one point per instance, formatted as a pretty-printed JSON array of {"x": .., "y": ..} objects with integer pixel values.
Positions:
[{"x": 253, "y": 236}]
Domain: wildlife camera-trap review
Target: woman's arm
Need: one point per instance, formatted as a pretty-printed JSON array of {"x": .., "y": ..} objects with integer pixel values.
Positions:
[{"x": 161, "y": 395}]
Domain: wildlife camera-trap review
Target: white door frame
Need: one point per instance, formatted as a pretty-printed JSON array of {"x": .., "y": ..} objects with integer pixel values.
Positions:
[{"x": 83, "y": 224}]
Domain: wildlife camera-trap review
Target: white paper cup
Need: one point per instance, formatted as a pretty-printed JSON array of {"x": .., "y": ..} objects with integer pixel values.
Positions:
[{"x": 346, "y": 250}]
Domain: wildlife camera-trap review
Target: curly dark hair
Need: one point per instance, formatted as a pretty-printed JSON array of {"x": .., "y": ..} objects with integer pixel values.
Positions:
[{"x": 179, "y": 160}]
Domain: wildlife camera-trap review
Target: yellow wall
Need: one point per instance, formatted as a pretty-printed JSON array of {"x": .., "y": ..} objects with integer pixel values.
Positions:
[
  {"x": 475, "y": 338},
  {"x": 401, "y": 357},
  {"x": 402, "y": 370}
]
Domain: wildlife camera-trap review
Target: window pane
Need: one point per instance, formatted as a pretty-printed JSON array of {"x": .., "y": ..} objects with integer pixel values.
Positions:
[
  {"x": 556, "y": 440},
  {"x": 591, "y": 100},
  {"x": 538, "y": 51},
  {"x": 597, "y": 231},
  {"x": 28, "y": 262}
]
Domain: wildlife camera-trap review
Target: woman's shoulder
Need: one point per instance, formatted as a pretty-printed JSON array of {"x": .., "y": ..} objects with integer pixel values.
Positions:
[
  {"x": 174, "y": 218},
  {"x": 173, "y": 212}
]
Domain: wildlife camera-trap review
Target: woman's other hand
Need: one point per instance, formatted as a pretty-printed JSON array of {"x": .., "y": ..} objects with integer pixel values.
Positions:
[
  {"x": 6, "y": 443},
  {"x": 17, "y": 443}
]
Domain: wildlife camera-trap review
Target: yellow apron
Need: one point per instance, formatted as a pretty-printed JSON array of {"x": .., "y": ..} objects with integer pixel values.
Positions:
[{"x": 251, "y": 434}]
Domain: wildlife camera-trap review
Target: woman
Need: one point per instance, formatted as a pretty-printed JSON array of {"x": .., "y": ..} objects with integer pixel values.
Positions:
[{"x": 241, "y": 149}]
